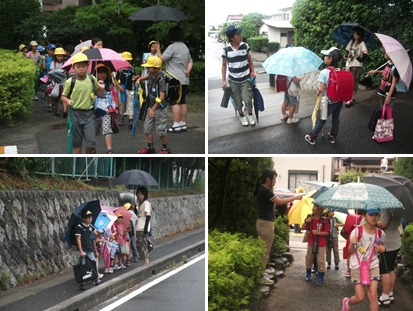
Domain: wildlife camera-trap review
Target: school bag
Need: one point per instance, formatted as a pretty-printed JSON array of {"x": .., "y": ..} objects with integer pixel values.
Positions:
[
  {"x": 340, "y": 85},
  {"x": 173, "y": 87},
  {"x": 400, "y": 85},
  {"x": 281, "y": 83}
]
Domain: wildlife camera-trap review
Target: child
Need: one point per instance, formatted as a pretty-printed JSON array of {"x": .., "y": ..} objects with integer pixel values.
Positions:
[
  {"x": 157, "y": 114},
  {"x": 319, "y": 229},
  {"x": 331, "y": 59},
  {"x": 23, "y": 49},
  {"x": 81, "y": 100},
  {"x": 290, "y": 97},
  {"x": 240, "y": 66},
  {"x": 103, "y": 74},
  {"x": 152, "y": 52},
  {"x": 366, "y": 248},
  {"x": 143, "y": 223},
  {"x": 57, "y": 63},
  {"x": 97, "y": 43},
  {"x": 125, "y": 78},
  {"x": 84, "y": 244},
  {"x": 119, "y": 233},
  {"x": 35, "y": 56},
  {"x": 332, "y": 242}
]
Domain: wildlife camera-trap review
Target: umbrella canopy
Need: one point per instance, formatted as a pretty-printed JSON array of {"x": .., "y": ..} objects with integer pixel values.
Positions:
[
  {"x": 105, "y": 219},
  {"x": 292, "y": 62},
  {"x": 58, "y": 76},
  {"x": 300, "y": 210},
  {"x": 318, "y": 184},
  {"x": 158, "y": 13},
  {"x": 398, "y": 189},
  {"x": 135, "y": 178},
  {"x": 344, "y": 33},
  {"x": 104, "y": 56},
  {"x": 316, "y": 194},
  {"x": 356, "y": 196},
  {"x": 87, "y": 43},
  {"x": 70, "y": 127},
  {"x": 399, "y": 56},
  {"x": 126, "y": 216}
]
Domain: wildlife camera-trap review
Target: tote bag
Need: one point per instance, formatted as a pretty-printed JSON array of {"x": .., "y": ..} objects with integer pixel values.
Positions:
[
  {"x": 385, "y": 126},
  {"x": 85, "y": 270}
]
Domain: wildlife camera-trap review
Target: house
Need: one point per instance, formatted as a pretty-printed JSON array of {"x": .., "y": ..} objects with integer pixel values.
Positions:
[
  {"x": 234, "y": 19},
  {"x": 277, "y": 28},
  {"x": 54, "y": 5}
]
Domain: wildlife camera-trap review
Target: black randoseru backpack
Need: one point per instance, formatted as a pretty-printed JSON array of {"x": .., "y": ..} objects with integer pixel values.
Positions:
[{"x": 173, "y": 87}]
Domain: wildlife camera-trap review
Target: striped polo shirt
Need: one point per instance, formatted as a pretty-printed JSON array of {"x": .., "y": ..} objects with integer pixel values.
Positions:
[{"x": 237, "y": 60}]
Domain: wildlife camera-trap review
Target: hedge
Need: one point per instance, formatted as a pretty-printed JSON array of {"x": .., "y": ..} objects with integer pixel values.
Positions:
[
  {"x": 17, "y": 74},
  {"x": 257, "y": 43},
  {"x": 407, "y": 244},
  {"x": 234, "y": 269},
  {"x": 197, "y": 78},
  {"x": 273, "y": 46}
]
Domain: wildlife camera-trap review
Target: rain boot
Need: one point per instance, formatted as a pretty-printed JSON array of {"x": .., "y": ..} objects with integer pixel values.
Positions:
[
  {"x": 320, "y": 278},
  {"x": 308, "y": 275}
]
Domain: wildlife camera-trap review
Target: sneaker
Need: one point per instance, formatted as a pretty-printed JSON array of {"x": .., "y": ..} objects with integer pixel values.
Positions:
[
  {"x": 293, "y": 120},
  {"x": 269, "y": 271},
  {"x": 116, "y": 267},
  {"x": 146, "y": 150},
  {"x": 50, "y": 108},
  {"x": 328, "y": 266},
  {"x": 57, "y": 113},
  {"x": 243, "y": 120},
  {"x": 331, "y": 138},
  {"x": 166, "y": 150},
  {"x": 120, "y": 122},
  {"x": 343, "y": 305},
  {"x": 336, "y": 267},
  {"x": 266, "y": 281},
  {"x": 283, "y": 117},
  {"x": 110, "y": 151},
  {"x": 127, "y": 264},
  {"x": 265, "y": 290},
  {"x": 96, "y": 283},
  {"x": 107, "y": 270},
  {"x": 122, "y": 266},
  {"x": 348, "y": 274},
  {"x": 101, "y": 275},
  {"x": 251, "y": 119},
  {"x": 135, "y": 259},
  {"x": 310, "y": 140},
  {"x": 130, "y": 124},
  {"x": 82, "y": 286},
  {"x": 36, "y": 98},
  {"x": 110, "y": 270}
]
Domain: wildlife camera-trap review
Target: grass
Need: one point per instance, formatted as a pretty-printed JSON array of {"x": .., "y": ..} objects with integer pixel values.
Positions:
[{"x": 195, "y": 102}]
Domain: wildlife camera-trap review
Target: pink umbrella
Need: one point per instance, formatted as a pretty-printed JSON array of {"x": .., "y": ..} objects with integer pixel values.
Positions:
[
  {"x": 126, "y": 216},
  {"x": 399, "y": 56}
]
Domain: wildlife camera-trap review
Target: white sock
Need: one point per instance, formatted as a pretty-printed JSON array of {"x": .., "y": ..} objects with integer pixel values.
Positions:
[
  {"x": 176, "y": 124},
  {"x": 390, "y": 293},
  {"x": 384, "y": 297},
  {"x": 182, "y": 123}
]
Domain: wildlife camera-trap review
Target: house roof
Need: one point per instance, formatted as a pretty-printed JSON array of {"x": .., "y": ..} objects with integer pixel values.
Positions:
[
  {"x": 277, "y": 24},
  {"x": 235, "y": 17}
]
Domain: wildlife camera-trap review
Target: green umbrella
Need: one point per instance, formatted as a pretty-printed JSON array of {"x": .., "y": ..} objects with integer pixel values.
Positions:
[{"x": 70, "y": 126}]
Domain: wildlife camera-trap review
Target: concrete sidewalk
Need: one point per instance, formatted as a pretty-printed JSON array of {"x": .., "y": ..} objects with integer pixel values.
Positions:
[
  {"x": 224, "y": 122},
  {"x": 60, "y": 292}
]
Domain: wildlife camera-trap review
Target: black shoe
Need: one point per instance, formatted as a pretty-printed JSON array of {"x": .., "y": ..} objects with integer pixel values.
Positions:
[
  {"x": 82, "y": 286},
  {"x": 336, "y": 267},
  {"x": 328, "y": 266}
]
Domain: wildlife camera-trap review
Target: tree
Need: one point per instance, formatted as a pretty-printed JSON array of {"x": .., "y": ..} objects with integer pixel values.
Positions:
[
  {"x": 251, "y": 23},
  {"x": 404, "y": 167}
]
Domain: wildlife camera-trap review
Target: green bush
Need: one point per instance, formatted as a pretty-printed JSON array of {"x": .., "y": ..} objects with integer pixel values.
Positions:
[
  {"x": 197, "y": 78},
  {"x": 234, "y": 268},
  {"x": 17, "y": 74},
  {"x": 407, "y": 244},
  {"x": 281, "y": 235},
  {"x": 4, "y": 279},
  {"x": 273, "y": 46},
  {"x": 257, "y": 43}
]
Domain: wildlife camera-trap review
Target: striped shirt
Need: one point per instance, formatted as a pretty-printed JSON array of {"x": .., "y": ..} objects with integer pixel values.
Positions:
[{"x": 237, "y": 60}]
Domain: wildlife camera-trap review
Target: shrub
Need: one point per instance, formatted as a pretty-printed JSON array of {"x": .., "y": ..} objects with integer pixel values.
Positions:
[
  {"x": 281, "y": 235},
  {"x": 4, "y": 279},
  {"x": 407, "y": 244},
  {"x": 197, "y": 78},
  {"x": 273, "y": 46},
  {"x": 257, "y": 43},
  {"x": 234, "y": 268},
  {"x": 17, "y": 74}
]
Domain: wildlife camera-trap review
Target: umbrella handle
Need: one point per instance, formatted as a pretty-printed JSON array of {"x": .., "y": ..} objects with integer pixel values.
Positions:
[{"x": 378, "y": 68}]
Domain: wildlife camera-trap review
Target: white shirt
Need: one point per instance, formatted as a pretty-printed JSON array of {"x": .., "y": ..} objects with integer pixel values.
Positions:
[{"x": 144, "y": 208}]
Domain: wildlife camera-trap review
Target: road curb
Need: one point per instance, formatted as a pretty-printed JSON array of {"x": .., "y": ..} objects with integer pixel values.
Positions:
[{"x": 97, "y": 295}]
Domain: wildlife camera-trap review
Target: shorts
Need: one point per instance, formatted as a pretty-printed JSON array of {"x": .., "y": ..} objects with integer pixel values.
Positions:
[
  {"x": 292, "y": 100},
  {"x": 242, "y": 92},
  {"x": 106, "y": 123},
  {"x": 84, "y": 128},
  {"x": 161, "y": 116},
  {"x": 387, "y": 261},
  {"x": 374, "y": 275},
  {"x": 183, "y": 96},
  {"x": 142, "y": 244}
]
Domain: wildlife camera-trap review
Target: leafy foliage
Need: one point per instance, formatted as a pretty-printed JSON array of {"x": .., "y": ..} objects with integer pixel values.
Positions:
[
  {"x": 281, "y": 235},
  {"x": 257, "y": 43},
  {"x": 234, "y": 268},
  {"x": 273, "y": 46},
  {"x": 251, "y": 23},
  {"x": 407, "y": 244},
  {"x": 404, "y": 167},
  {"x": 197, "y": 78},
  {"x": 351, "y": 175}
]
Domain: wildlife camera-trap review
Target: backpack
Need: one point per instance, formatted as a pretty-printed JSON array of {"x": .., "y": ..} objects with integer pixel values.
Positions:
[
  {"x": 173, "y": 87},
  {"x": 360, "y": 233},
  {"x": 73, "y": 81},
  {"x": 281, "y": 83},
  {"x": 400, "y": 85},
  {"x": 340, "y": 85}
]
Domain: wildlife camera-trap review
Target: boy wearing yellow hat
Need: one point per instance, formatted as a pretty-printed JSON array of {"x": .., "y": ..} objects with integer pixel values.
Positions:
[{"x": 157, "y": 113}]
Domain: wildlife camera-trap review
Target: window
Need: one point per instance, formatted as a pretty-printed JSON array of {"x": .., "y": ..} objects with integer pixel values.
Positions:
[
  {"x": 297, "y": 177},
  {"x": 284, "y": 35}
]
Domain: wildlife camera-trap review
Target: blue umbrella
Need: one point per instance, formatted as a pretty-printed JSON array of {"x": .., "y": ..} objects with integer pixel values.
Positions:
[
  {"x": 344, "y": 33},
  {"x": 292, "y": 62},
  {"x": 135, "y": 110}
]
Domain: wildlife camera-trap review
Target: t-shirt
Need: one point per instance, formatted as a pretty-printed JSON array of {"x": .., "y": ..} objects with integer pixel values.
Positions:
[
  {"x": 367, "y": 241},
  {"x": 393, "y": 240},
  {"x": 140, "y": 222},
  {"x": 177, "y": 57},
  {"x": 35, "y": 56},
  {"x": 49, "y": 61},
  {"x": 264, "y": 205},
  {"x": 81, "y": 92},
  {"x": 333, "y": 229},
  {"x": 320, "y": 224},
  {"x": 155, "y": 91},
  {"x": 85, "y": 232},
  {"x": 355, "y": 51},
  {"x": 56, "y": 65},
  {"x": 237, "y": 60},
  {"x": 126, "y": 73},
  {"x": 386, "y": 81}
]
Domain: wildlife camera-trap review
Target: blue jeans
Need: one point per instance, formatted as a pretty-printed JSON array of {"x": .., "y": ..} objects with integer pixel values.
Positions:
[{"x": 334, "y": 109}]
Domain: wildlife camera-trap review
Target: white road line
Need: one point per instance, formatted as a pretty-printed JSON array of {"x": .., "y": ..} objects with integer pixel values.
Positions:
[{"x": 147, "y": 286}]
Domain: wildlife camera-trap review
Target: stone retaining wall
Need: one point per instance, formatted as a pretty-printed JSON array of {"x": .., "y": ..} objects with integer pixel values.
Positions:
[{"x": 33, "y": 226}]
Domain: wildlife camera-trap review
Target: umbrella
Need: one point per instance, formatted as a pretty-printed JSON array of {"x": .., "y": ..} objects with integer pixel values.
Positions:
[
  {"x": 292, "y": 62},
  {"x": 318, "y": 184},
  {"x": 87, "y": 43},
  {"x": 300, "y": 210},
  {"x": 58, "y": 76},
  {"x": 70, "y": 126},
  {"x": 126, "y": 216},
  {"x": 356, "y": 196},
  {"x": 398, "y": 189},
  {"x": 344, "y": 33},
  {"x": 105, "y": 219},
  {"x": 135, "y": 110},
  {"x": 135, "y": 178},
  {"x": 399, "y": 57},
  {"x": 257, "y": 98},
  {"x": 75, "y": 218},
  {"x": 104, "y": 56},
  {"x": 316, "y": 111},
  {"x": 316, "y": 194},
  {"x": 226, "y": 96},
  {"x": 158, "y": 13}
]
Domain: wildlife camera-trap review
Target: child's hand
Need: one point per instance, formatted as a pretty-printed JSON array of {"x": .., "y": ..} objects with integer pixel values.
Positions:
[
  {"x": 101, "y": 85},
  {"x": 315, "y": 232},
  {"x": 354, "y": 240},
  {"x": 151, "y": 114}
]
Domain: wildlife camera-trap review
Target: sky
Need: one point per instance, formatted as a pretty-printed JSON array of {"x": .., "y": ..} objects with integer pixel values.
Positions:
[{"x": 218, "y": 10}]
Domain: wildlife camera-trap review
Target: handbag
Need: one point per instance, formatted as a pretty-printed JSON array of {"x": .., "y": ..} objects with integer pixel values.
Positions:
[
  {"x": 114, "y": 123},
  {"x": 54, "y": 90},
  {"x": 150, "y": 245},
  {"x": 124, "y": 248},
  {"x": 305, "y": 237},
  {"x": 85, "y": 270},
  {"x": 102, "y": 104},
  {"x": 385, "y": 126}
]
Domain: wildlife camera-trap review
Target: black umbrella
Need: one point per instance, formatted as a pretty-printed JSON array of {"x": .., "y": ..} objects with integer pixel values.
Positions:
[
  {"x": 135, "y": 178},
  {"x": 226, "y": 96},
  {"x": 257, "y": 98},
  {"x": 344, "y": 33},
  {"x": 398, "y": 189},
  {"x": 76, "y": 218},
  {"x": 158, "y": 13}
]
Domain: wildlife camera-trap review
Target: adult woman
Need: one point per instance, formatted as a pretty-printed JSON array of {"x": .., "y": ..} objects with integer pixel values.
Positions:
[
  {"x": 142, "y": 224},
  {"x": 357, "y": 54},
  {"x": 178, "y": 62},
  {"x": 265, "y": 199}
]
